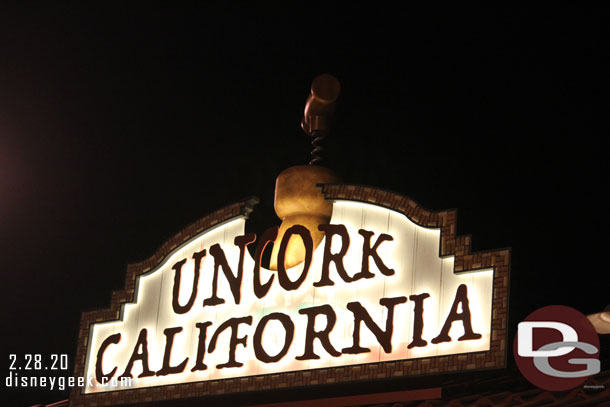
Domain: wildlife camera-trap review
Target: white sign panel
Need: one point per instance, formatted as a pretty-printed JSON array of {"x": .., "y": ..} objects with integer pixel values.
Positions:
[{"x": 376, "y": 289}]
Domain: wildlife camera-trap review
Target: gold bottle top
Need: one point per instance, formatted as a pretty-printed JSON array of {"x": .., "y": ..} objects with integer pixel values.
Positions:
[{"x": 299, "y": 201}]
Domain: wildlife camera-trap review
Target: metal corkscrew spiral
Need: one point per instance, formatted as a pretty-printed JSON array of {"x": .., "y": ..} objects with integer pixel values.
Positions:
[
  {"x": 318, "y": 137},
  {"x": 319, "y": 110}
]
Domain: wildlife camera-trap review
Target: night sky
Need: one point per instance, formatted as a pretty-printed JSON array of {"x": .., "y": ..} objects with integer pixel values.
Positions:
[{"x": 121, "y": 126}]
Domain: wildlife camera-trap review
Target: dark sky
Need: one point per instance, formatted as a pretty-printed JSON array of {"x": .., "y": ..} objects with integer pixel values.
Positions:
[{"x": 120, "y": 126}]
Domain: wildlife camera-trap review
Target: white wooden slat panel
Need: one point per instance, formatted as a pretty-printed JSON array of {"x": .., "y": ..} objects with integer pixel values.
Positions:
[
  {"x": 480, "y": 293},
  {"x": 427, "y": 279},
  {"x": 401, "y": 283},
  {"x": 451, "y": 282},
  {"x": 413, "y": 254}
]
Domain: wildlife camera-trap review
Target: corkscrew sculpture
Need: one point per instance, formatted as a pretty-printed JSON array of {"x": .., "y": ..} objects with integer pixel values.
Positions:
[
  {"x": 319, "y": 110},
  {"x": 298, "y": 199}
]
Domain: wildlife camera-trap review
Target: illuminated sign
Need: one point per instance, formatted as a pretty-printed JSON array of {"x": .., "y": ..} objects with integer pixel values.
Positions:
[{"x": 381, "y": 287}]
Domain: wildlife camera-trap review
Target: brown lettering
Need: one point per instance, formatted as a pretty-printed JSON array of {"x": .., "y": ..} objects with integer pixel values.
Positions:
[
  {"x": 418, "y": 320},
  {"x": 233, "y": 324},
  {"x": 220, "y": 261},
  {"x": 166, "y": 369},
  {"x": 179, "y": 309},
  {"x": 199, "y": 365},
  {"x": 99, "y": 373},
  {"x": 361, "y": 315},
  {"x": 259, "y": 352},
  {"x": 461, "y": 297},
  {"x": 368, "y": 251},
  {"x": 322, "y": 335},
  {"x": 260, "y": 290},
  {"x": 337, "y": 258},
  {"x": 141, "y": 356},
  {"x": 281, "y": 256}
]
